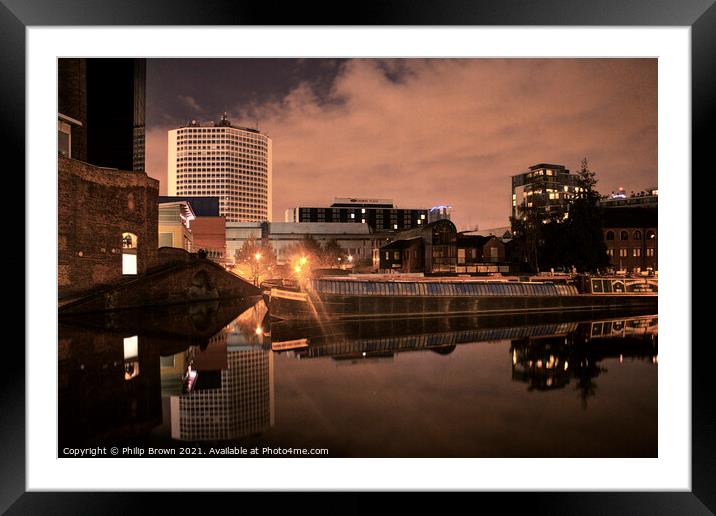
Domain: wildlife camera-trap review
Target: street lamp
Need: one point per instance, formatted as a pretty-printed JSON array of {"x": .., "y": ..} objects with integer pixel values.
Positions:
[{"x": 257, "y": 257}]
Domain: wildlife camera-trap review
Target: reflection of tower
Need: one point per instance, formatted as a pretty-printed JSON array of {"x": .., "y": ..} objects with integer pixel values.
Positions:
[{"x": 242, "y": 406}]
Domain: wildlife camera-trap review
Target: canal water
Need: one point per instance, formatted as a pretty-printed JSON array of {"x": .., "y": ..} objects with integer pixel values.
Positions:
[{"x": 222, "y": 379}]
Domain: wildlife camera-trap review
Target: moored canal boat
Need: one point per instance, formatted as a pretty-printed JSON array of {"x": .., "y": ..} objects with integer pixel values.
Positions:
[{"x": 391, "y": 296}]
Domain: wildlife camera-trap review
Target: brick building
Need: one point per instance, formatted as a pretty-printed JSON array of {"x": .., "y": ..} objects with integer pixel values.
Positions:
[
  {"x": 631, "y": 236},
  {"x": 104, "y": 218},
  {"x": 107, "y": 205},
  {"x": 437, "y": 248},
  {"x": 209, "y": 234}
]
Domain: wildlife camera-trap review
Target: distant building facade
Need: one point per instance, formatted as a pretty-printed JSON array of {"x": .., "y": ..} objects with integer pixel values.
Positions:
[
  {"x": 441, "y": 212},
  {"x": 631, "y": 237},
  {"x": 438, "y": 248},
  {"x": 379, "y": 214},
  {"x": 545, "y": 186},
  {"x": 225, "y": 161},
  {"x": 175, "y": 224},
  {"x": 356, "y": 240},
  {"x": 430, "y": 249}
]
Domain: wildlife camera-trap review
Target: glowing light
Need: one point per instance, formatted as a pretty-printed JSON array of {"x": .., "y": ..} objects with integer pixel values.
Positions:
[
  {"x": 257, "y": 256},
  {"x": 259, "y": 330},
  {"x": 350, "y": 258},
  {"x": 303, "y": 260},
  {"x": 297, "y": 268},
  {"x": 566, "y": 365}
]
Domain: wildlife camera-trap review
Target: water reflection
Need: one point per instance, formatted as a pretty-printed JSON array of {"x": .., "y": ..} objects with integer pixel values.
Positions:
[
  {"x": 552, "y": 362},
  {"x": 202, "y": 373}
]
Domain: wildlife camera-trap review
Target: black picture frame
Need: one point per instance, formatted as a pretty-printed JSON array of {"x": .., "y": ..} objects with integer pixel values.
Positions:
[{"x": 699, "y": 15}]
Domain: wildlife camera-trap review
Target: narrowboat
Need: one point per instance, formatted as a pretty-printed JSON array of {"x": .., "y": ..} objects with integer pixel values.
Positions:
[{"x": 372, "y": 296}]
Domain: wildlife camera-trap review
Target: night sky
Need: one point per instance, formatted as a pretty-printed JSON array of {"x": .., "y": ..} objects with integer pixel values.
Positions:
[{"x": 422, "y": 132}]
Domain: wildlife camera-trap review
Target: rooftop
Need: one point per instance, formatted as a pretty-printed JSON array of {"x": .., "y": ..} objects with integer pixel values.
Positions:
[
  {"x": 223, "y": 122},
  {"x": 546, "y": 165}
]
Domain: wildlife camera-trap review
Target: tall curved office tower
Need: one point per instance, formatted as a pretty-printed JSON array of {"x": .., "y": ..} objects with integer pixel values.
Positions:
[{"x": 225, "y": 161}]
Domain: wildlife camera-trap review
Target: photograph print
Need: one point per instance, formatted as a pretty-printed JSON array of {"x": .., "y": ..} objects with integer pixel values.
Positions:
[{"x": 357, "y": 258}]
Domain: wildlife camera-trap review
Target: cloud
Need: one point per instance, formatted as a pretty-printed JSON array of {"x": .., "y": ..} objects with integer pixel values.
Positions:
[
  {"x": 191, "y": 103},
  {"x": 453, "y": 131}
]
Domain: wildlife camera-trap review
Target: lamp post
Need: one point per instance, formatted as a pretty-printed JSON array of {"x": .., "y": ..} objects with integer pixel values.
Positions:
[
  {"x": 350, "y": 261},
  {"x": 257, "y": 258}
]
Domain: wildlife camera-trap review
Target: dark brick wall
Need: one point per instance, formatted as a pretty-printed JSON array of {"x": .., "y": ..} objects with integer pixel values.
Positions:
[
  {"x": 95, "y": 207},
  {"x": 209, "y": 233},
  {"x": 176, "y": 281}
]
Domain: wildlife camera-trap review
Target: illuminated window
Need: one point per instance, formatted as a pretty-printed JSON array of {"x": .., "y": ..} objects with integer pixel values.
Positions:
[
  {"x": 636, "y": 252},
  {"x": 129, "y": 253},
  {"x": 623, "y": 252},
  {"x": 650, "y": 251},
  {"x": 610, "y": 252},
  {"x": 395, "y": 226},
  {"x": 131, "y": 357}
]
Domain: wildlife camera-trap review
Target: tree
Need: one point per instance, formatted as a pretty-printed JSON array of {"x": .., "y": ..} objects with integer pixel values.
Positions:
[
  {"x": 255, "y": 260},
  {"x": 333, "y": 254},
  {"x": 584, "y": 224},
  {"x": 307, "y": 251},
  {"x": 546, "y": 239}
]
